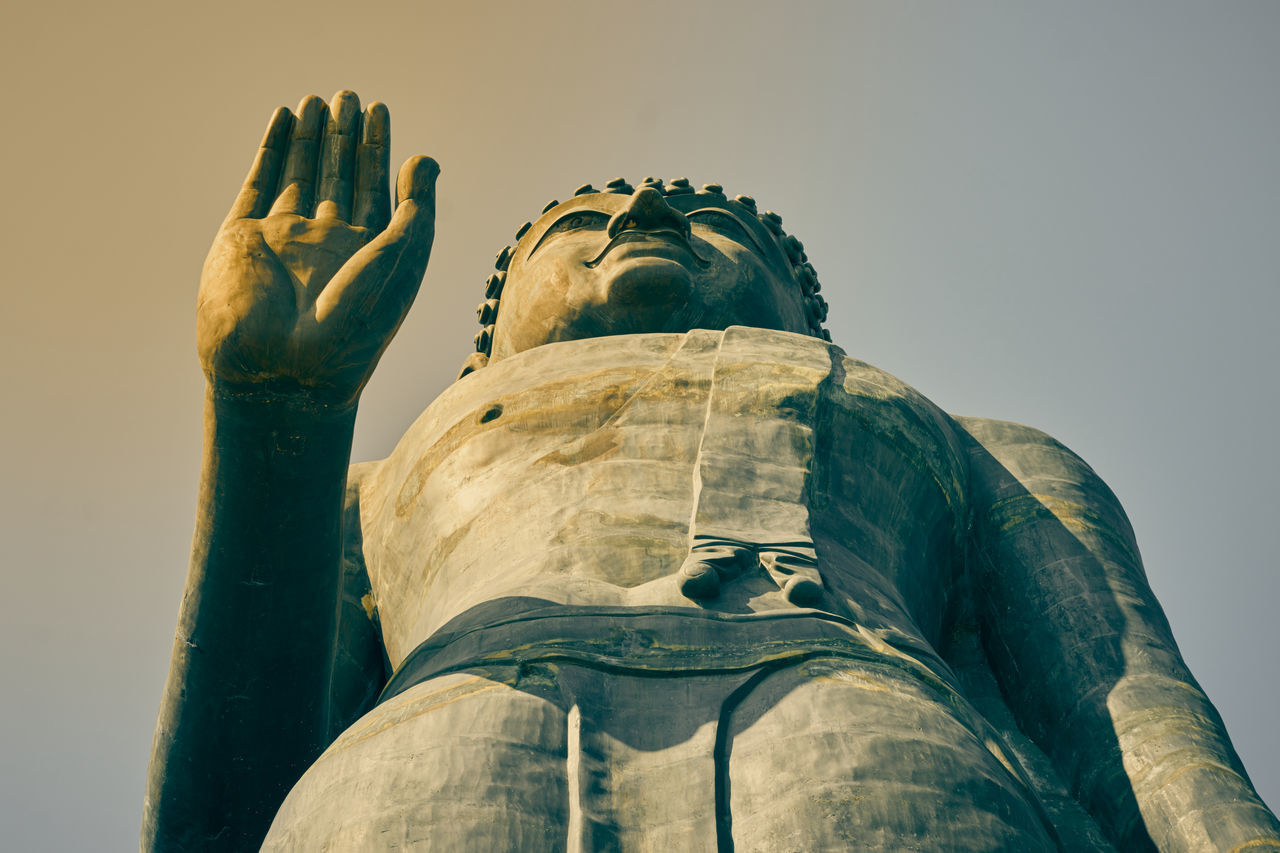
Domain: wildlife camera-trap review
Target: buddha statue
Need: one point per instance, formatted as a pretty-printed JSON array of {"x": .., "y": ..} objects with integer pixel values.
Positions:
[{"x": 665, "y": 569}]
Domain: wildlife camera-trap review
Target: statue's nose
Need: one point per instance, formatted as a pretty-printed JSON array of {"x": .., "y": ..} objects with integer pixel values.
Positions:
[{"x": 648, "y": 211}]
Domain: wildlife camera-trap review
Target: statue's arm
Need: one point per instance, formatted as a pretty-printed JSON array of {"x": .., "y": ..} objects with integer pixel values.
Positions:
[
  {"x": 245, "y": 707},
  {"x": 309, "y": 277},
  {"x": 1085, "y": 656}
]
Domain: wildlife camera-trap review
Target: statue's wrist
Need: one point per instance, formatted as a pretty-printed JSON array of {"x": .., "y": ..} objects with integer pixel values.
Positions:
[
  {"x": 289, "y": 424},
  {"x": 281, "y": 401}
]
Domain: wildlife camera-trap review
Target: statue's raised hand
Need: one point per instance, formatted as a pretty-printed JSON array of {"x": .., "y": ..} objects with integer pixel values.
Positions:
[{"x": 311, "y": 273}]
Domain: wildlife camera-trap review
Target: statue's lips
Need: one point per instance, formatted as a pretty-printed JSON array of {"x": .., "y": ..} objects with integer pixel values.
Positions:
[{"x": 659, "y": 243}]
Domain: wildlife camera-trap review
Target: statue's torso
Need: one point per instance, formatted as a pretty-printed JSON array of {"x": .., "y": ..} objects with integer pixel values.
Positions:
[
  {"x": 579, "y": 473},
  {"x": 525, "y": 538}
]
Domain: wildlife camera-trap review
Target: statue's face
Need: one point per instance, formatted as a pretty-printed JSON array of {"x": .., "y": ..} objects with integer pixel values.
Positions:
[{"x": 610, "y": 264}]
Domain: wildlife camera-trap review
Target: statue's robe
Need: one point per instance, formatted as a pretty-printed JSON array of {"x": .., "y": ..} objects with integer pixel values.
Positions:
[{"x": 516, "y": 559}]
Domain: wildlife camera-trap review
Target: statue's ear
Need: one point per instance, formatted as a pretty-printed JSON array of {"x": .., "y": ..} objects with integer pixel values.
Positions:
[{"x": 474, "y": 362}]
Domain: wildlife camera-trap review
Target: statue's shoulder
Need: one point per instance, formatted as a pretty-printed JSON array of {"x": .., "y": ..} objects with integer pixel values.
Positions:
[
  {"x": 999, "y": 433},
  {"x": 1010, "y": 461},
  {"x": 1015, "y": 447},
  {"x": 358, "y": 474},
  {"x": 360, "y": 477}
]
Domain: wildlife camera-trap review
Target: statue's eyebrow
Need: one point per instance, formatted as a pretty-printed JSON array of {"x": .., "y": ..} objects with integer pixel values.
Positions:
[
  {"x": 577, "y": 211},
  {"x": 729, "y": 213}
]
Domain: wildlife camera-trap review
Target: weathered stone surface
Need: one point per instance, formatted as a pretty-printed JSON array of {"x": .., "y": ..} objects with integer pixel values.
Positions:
[{"x": 664, "y": 570}]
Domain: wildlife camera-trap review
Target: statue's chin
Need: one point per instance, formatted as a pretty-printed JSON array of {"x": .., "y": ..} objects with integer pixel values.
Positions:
[{"x": 645, "y": 285}]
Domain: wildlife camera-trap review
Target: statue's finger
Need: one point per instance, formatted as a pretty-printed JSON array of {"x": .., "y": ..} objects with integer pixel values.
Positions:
[
  {"x": 698, "y": 580},
  {"x": 380, "y": 281},
  {"x": 796, "y": 574},
  {"x": 298, "y": 182},
  {"x": 373, "y": 168},
  {"x": 259, "y": 188},
  {"x": 338, "y": 157}
]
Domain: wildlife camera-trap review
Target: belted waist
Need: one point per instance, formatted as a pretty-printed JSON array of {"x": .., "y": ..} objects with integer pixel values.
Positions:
[{"x": 651, "y": 639}]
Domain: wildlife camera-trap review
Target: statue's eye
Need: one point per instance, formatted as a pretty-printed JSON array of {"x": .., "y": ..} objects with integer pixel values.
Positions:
[
  {"x": 721, "y": 223},
  {"x": 571, "y": 222},
  {"x": 582, "y": 219}
]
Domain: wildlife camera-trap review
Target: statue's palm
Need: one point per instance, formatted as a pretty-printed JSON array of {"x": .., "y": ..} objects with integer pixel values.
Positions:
[{"x": 310, "y": 275}]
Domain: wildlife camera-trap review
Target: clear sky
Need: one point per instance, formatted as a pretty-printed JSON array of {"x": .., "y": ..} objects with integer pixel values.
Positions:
[{"x": 1061, "y": 214}]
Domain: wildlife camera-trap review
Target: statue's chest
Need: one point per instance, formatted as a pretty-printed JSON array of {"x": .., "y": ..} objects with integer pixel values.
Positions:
[
  {"x": 609, "y": 460},
  {"x": 747, "y": 411}
]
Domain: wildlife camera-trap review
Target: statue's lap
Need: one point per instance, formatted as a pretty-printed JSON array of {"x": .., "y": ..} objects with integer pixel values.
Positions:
[{"x": 822, "y": 753}]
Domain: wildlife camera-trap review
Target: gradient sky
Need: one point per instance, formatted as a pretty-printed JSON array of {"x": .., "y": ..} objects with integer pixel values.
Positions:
[{"x": 1061, "y": 214}]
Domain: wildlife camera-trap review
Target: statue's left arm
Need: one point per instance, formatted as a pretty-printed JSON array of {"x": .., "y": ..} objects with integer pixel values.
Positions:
[{"x": 1085, "y": 657}]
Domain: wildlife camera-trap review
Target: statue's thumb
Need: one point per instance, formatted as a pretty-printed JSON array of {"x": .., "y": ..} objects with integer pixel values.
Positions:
[
  {"x": 417, "y": 181},
  {"x": 415, "y": 214}
]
